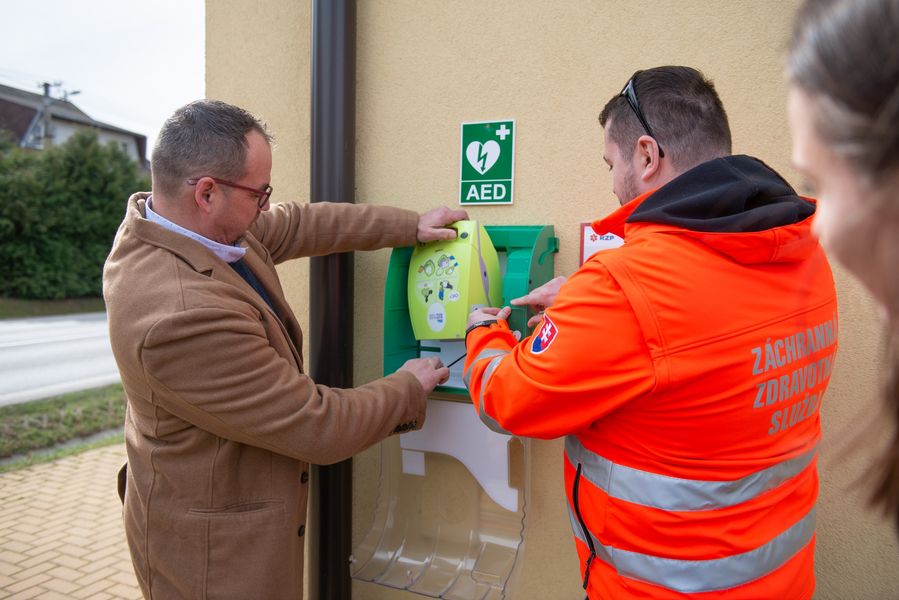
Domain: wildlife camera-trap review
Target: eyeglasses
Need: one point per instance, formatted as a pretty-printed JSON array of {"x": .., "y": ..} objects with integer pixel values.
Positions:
[
  {"x": 631, "y": 95},
  {"x": 263, "y": 195}
]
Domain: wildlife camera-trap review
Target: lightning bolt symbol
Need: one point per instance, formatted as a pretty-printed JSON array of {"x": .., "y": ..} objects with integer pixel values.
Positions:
[{"x": 482, "y": 158}]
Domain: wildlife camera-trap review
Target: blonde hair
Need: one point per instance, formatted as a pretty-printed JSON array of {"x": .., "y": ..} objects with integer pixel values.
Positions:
[{"x": 843, "y": 56}]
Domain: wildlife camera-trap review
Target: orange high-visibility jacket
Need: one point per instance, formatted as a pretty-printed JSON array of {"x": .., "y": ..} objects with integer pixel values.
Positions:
[{"x": 686, "y": 370}]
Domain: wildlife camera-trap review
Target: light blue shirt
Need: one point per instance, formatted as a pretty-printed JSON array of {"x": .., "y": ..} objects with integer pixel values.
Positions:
[{"x": 229, "y": 254}]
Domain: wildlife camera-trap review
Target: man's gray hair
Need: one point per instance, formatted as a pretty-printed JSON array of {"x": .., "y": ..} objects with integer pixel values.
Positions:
[{"x": 205, "y": 137}]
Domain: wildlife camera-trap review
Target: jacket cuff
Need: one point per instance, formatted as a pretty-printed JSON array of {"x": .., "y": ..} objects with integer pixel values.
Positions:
[
  {"x": 409, "y": 225},
  {"x": 481, "y": 333},
  {"x": 414, "y": 416}
]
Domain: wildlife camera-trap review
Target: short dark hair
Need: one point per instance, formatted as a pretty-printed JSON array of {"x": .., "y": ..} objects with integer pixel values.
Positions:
[
  {"x": 682, "y": 108},
  {"x": 205, "y": 137},
  {"x": 843, "y": 55}
]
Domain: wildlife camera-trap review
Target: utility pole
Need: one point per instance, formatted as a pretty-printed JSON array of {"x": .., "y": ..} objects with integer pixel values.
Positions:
[
  {"x": 48, "y": 132},
  {"x": 46, "y": 118}
]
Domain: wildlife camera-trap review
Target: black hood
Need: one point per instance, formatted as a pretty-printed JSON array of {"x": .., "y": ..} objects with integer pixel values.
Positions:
[{"x": 728, "y": 195}]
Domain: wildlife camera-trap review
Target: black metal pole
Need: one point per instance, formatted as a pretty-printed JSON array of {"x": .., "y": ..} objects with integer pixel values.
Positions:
[{"x": 331, "y": 277}]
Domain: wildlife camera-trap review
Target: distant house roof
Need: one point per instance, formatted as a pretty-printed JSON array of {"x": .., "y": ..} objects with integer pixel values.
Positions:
[{"x": 19, "y": 108}]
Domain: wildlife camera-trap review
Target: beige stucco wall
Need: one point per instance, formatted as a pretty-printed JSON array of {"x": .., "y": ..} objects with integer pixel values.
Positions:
[{"x": 425, "y": 67}]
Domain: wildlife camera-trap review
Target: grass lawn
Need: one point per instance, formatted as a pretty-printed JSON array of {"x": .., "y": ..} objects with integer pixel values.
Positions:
[
  {"x": 17, "y": 308},
  {"x": 32, "y": 432},
  {"x": 44, "y": 430}
]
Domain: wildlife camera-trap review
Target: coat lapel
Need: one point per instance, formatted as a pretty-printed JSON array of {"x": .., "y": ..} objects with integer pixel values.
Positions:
[{"x": 202, "y": 260}]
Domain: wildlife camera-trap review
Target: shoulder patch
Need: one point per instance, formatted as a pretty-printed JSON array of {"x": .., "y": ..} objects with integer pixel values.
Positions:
[{"x": 544, "y": 336}]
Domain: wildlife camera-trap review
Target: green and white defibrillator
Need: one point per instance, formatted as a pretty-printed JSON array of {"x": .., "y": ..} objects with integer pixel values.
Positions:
[{"x": 449, "y": 279}]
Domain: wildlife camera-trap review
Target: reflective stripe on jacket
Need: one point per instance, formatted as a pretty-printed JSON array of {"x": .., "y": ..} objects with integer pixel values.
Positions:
[{"x": 685, "y": 370}]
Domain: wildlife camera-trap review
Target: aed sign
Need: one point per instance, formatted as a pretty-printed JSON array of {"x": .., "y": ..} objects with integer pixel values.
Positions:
[{"x": 488, "y": 150}]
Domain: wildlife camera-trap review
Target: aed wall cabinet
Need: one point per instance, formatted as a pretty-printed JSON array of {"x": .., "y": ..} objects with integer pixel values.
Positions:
[
  {"x": 526, "y": 257},
  {"x": 432, "y": 535}
]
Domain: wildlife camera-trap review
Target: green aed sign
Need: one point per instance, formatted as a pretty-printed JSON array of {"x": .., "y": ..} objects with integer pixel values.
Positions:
[{"x": 488, "y": 150}]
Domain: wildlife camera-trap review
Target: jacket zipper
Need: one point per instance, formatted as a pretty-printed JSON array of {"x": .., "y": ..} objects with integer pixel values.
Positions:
[{"x": 587, "y": 537}]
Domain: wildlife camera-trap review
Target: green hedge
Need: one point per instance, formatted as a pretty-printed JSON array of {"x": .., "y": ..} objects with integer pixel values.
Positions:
[{"x": 59, "y": 211}]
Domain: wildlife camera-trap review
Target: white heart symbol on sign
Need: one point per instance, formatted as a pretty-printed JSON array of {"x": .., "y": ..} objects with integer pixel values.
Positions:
[{"x": 482, "y": 156}]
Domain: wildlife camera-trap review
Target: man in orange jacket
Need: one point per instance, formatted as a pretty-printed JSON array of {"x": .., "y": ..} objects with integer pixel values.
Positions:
[{"x": 685, "y": 369}]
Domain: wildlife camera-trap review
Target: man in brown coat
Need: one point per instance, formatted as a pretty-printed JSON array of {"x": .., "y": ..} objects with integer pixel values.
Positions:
[{"x": 222, "y": 422}]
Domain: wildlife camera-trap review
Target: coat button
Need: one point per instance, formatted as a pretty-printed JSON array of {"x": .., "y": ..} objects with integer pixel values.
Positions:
[
  {"x": 304, "y": 477},
  {"x": 301, "y": 530}
]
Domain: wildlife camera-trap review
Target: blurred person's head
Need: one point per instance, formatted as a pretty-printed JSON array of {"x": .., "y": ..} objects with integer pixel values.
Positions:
[
  {"x": 665, "y": 121},
  {"x": 843, "y": 69}
]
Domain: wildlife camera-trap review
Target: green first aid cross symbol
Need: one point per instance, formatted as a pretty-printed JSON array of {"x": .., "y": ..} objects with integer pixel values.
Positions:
[{"x": 488, "y": 150}]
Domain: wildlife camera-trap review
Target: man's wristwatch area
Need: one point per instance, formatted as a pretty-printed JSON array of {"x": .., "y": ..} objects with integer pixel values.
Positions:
[{"x": 485, "y": 323}]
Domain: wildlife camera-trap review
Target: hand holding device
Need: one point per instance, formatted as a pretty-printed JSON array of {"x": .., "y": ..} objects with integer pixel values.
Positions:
[
  {"x": 432, "y": 225},
  {"x": 430, "y": 372}
]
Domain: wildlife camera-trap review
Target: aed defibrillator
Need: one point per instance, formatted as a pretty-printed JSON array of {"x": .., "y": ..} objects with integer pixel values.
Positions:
[{"x": 448, "y": 279}]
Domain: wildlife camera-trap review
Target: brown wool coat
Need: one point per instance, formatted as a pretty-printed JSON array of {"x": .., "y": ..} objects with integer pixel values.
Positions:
[{"x": 222, "y": 422}]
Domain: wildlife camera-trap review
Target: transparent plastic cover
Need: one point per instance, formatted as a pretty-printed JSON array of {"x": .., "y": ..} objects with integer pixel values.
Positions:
[{"x": 450, "y": 514}]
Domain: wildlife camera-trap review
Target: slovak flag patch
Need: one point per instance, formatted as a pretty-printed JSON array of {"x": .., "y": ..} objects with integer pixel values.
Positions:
[{"x": 543, "y": 337}]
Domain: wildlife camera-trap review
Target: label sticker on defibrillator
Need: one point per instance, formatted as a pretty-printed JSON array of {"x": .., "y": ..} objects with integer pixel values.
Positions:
[
  {"x": 545, "y": 336},
  {"x": 436, "y": 316}
]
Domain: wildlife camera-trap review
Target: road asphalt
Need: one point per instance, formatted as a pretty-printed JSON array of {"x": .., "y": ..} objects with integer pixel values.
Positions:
[{"x": 48, "y": 356}]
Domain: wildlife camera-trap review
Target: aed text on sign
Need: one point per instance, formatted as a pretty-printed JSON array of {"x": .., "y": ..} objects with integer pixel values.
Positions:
[{"x": 486, "y": 192}]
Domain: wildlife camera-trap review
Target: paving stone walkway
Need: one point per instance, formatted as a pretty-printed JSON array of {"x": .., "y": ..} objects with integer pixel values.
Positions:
[{"x": 61, "y": 534}]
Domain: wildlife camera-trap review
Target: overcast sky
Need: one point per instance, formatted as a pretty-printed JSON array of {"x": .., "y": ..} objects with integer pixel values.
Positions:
[{"x": 134, "y": 62}]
